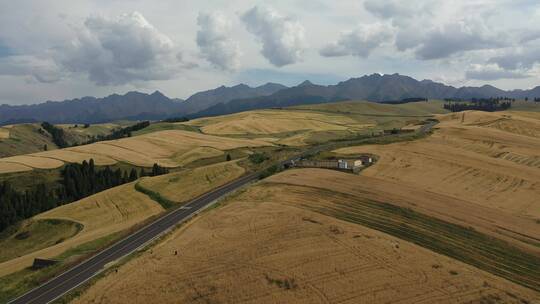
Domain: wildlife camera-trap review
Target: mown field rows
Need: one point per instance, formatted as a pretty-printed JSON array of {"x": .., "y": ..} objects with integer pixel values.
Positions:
[
  {"x": 473, "y": 157},
  {"x": 165, "y": 148},
  {"x": 270, "y": 245}
]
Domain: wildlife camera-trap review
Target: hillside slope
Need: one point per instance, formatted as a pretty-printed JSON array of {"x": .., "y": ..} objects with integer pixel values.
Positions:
[{"x": 271, "y": 244}]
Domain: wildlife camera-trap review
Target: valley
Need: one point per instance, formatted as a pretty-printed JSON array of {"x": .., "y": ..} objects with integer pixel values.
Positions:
[{"x": 429, "y": 195}]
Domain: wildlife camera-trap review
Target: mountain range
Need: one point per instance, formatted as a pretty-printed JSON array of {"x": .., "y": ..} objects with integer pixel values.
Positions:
[{"x": 225, "y": 100}]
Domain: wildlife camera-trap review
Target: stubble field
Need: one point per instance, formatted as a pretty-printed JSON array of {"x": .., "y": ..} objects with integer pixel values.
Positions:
[
  {"x": 164, "y": 148},
  {"x": 489, "y": 159},
  {"x": 282, "y": 241}
]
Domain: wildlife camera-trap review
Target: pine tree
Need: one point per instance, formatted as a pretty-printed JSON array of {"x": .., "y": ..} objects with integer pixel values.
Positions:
[{"x": 133, "y": 175}]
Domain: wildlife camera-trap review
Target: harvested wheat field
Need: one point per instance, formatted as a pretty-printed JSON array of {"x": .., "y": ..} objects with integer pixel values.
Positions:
[
  {"x": 32, "y": 161},
  {"x": 4, "y": 132},
  {"x": 184, "y": 158},
  {"x": 183, "y": 186},
  {"x": 7, "y": 167},
  {"x": 70, "y": 156},
  {"x": 272, "y": 122},
  {"x": 165, "y": 148},
  {"x": 379, "y": 109},
  {"x": 278, "y": 242},
  {"x": 489, "y": 159},
  {"x": 101, "y": 214}
]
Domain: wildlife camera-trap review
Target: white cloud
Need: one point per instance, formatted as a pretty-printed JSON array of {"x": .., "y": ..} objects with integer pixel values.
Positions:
[
  {"x": 359, "y": 42},
  {"x": 388, "y": 9},
  {"x": 489, "y": 72},
  {"x": 32, "y": 68},
  {"x": 215, "y": 43},
  {"x": 119, "y": 51},
  {"x": 283, "y": 38},
  {"x": 457, "y": 37},
  {"x": 518, "y": 58}
]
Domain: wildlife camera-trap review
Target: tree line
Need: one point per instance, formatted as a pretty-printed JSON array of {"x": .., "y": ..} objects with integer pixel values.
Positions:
[
  {"x": 77, "y": 181},
  {"x": 488, "y": 105},
  {"x": 406, "y": 100},
  {"x": 119, "y": 133},
  {"x": 58, "y": 135}
]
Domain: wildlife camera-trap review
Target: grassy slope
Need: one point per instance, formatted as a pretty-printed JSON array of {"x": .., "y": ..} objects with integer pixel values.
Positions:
[
  {"x": 162, "y": 147},
  {"x": 35, "y": 235},
  {"x": 310, "y": 124},
  {"x": 491, "y": 159},
  {"x": 266, "y": 246},
  {"x": 179, "y": 187},
  {"x": 465, "y": 244},
  {"x": 161, "y": 126},
  {"x": 26, "y": 138},
  {"x": 19, "y": 282},
  {"x": 101, "y": 214}
]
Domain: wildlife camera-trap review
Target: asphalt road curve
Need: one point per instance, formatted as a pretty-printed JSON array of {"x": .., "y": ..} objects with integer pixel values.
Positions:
[{"x": 63, "y": 283}]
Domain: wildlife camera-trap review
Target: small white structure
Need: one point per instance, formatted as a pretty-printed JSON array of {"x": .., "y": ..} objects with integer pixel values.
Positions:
[{"x": 342, "y": 164}]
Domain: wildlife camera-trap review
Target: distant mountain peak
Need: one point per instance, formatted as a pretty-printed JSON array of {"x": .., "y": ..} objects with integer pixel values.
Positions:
[
  {"x": 157, "y": 93},
  {"x": 306, "y": 83},
  {"x": 241, "y": 86}
]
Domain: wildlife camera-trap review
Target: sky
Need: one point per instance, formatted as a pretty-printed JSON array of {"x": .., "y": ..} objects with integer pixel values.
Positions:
[{"x": 56, "y": 50}]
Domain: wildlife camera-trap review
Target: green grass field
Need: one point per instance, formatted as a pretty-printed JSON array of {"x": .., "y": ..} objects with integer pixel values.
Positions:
[
  {"x": 161, "y": 126},
  {"x": 17, "y": 283},
  {"x": 27, "y": 138},
  {"x": 32, "y": 235},
  {"x": 24, "y": 139}
]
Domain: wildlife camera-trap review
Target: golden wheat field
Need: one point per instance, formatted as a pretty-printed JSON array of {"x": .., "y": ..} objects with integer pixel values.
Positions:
[
  {"x": 182, "y": 186},
  {"x": 164, "y": 147},
  {"x": 184, "y": 158},
  {"x": 489, "y": 159},
  {"x": 121, "y": 207},
  {"x": 101, "y": 214},
  {"x": 4, "y": 132},
  {"x": 272, "y": 122},
  {"x": 278, "y": 242},
  {"x": 33, "y": 161}
]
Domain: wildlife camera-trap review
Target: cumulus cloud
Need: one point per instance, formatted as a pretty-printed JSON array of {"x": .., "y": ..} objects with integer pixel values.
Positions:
[
  {"x": 282, "y": 38},
  {"x": 518, "y": 59},
  {"x": 359, "y": 42},
  {"x": 388, "y": 9},
  {"x": 215, "y": 43},
  {"x": 31, "y": 67},
  {"x": 457, "y": 37},
  {"x": 119, "y": 50},
  {"x": 492, "y": 72}
]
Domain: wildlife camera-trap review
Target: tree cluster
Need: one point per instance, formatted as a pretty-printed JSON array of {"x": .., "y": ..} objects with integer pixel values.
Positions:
[
  {"x": 78, "y": 181},
  {"x": 120, "y": 133},
  {"x": 16, "y": 206},
  {"x": 406, "y": 100},
  {"x": 176, "y": 119},
  {"x": 258, "y": 158},
  {"x": 58, "y": 136},
  {"x": 488, "y": 105},
  {"x": 537, "y": 99}
]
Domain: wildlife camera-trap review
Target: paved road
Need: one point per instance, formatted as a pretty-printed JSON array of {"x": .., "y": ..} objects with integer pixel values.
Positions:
[
  {"x": 81, "y": 273},
  {"x": 84, "y": 271}
]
